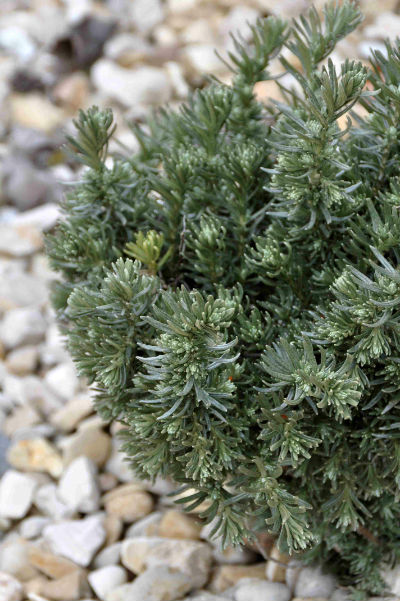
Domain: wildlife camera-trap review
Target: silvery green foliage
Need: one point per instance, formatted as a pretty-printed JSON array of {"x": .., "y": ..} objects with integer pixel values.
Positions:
[{"x": 233, "y": 292}]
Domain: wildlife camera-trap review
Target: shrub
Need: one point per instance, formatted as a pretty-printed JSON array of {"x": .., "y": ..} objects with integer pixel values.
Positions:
[{"x": 233, "y": 291}]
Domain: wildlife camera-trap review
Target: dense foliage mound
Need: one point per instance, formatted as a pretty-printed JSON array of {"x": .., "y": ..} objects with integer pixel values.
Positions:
[{"x": 233, "y": 291}]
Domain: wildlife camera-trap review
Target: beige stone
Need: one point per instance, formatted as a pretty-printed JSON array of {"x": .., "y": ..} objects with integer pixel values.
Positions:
[
  {"x": 53, "y": 566},
  {"x": 10, "y": 588},
  {"x": 113, "y": 526},
  {"x": 35, "y": 111},
  {"x": 226, "y": 576},
  {"x": 190, "y": 557},
  {"x": 155, "y": 584},
  {"x": 68, "y": 417},
  {"x": 35, "y": 454},
  {"x": 14, "y": 559},
  {"x": 21, "y": 417},
  {"x": 276, "y": 566},
  {"x": 107, "y": 482},
  {"x": 70, "y": 587},
  {"x": 128, "y": 502},
  {"x": 93, "y": 443},
  {"x": 177, "y": 524},
  {"x": 72, "y": 91},
  {"x": 22, "y": 361}
]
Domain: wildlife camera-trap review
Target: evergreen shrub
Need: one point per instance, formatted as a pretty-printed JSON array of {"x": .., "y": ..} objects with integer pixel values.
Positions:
[{"x": 232, "y": 290}]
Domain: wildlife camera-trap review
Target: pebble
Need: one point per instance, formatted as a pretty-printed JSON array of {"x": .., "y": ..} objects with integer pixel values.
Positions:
[
  {"x": 68, "y": 417},
  {"x": 177, "y": 524},
  {"x": 275, "y": 571},
  {"x": 32, "y": 527},
  {"x": 14, "y": 558},
  {"x": 147, "y": 526},
  {"x": 312, "y": 582},
  {"x": 68, "y": 588},
  {"x": 19, "y": 241},
  {"x": 20, "y": 419},
  {"x": 392, "y": 579},
  {"x": 49, "y": 564},
  {"x": 191, "y": 557},
  {"x": 146, "y": 14},
  {"x": 19, "y": 289},
  {"x": 22, "y": 361},
  {"x": 73, "y": 91},
  {"x": 225, "y": 576},
  {"x": 63, "y": 380},
  {"x": 36, "y": 454},
  {"x": 16, "y": 494},
  {"x": 10, "y": 588},
  {"x": 113, "y": 527},
  {"x": 48, "y": 502},
  {"x": 35, "y": 111},
  {"x": 128, "y": 502},
  {"x": 104, "y": 580},
  {"x": 140, "y": 86},
  {"x": 254, "y": 589},
  {"x": 155, "y": 584},
  {"x": 109, "y": 556},
  {"x": 77, "y": 540},
  {"x": 22, "y": 326},
  {"x": 93, "y": 443},
  {"x": 78, "y": 487},
  {"x": 117, "y": 463}
]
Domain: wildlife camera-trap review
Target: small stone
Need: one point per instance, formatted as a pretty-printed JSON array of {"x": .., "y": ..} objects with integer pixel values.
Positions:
[
  {"x": 53, "y": 350},
  {"x": 78, "y": 486},
  {"x": 68, "y": 417},
  {"x": 148, "y": 526},
  {"x": 228, "y": 575},
  {"x": 36, "y": 454},
  {"x": 10, "y": 588},
  {"x": 311, "y": 582},
  {"x": 21, "y": 418},
  {"x": 77, "y": 540},
  {"x": 117, "y": 464},
  {"x": 70, "y": 587},
  {"x": 32, "y": 527},
  {"x": 155, "y": 584},
  {"x": 146, "y": 14},
  {"x": 19, "y": 241},
  {"x": 176, "y": 524},
  {"x": 128, "y": 502},
  {"x": 254, "y": 589},
  {"x": 179, "y": 85},
  {"x": 16, "y": 494},
  {"x": 310, "y": 599},
  {"x": 63, "y": 380},
  {"x": 22, "y": 326},
  {"x": 201, "y": 58},
  {"x": 109, "y": 556},
  {"x": 392, "y": 579},
  {"x": 18, "y": 289},
  {"x": 190, "y": 557},
  {"x": 35, "y": 111},
  {"x": 72, "y": 91},
  {"x": 23, "y": 360},
  {"x": 48, "y": 502},
  {"x": 14, "y": 559},
  {"x": 107, "y": 482},
  {"x": 140, "y": 86},
  {"x": 293, "y": 570},
  {"x": 93, "y": 443},
  {"x": 113, "y": 527},
  {"x": 276, "y": 572},
  {"x": 49, "y": 564},
  {"x": 206, "y": 596},
  {"x": 42, "y": 218},
  {"x": 104, "y": 580}
]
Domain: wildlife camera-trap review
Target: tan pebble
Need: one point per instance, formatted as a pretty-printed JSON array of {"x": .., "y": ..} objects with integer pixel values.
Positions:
[
  {"x": 93, "y": 443},
  {"x": 72, "y": 91},
  {"x": 107, "y": 481},
  {"x": 35, "y": 454},
  {"x": 68, "y": 417},
  {"x": 10, "y": 588},
  {"x": 35, "y": 111},
  {"x": 68, "y": 588},
  {"x": 49, "y": 564},
  {"x": 226, "y": 576},
  {"x": 22, "y": 361},
  {"x": 309, "y": 599},
  {"x": 113, "y": 526},
  {"x": 21, "y": 417},
  {"x": 128, "y": 502},
  {"x": 275, "y": 571},
  {"x": 176, "y": 524}
]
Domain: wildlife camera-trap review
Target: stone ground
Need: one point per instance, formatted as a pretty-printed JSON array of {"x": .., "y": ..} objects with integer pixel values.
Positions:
[{"x": 74, "y": 523}]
